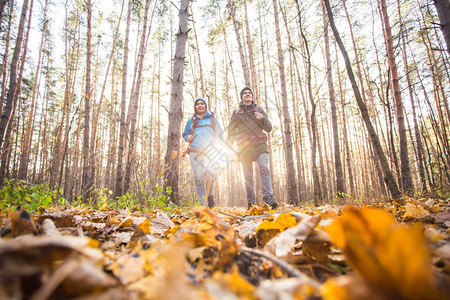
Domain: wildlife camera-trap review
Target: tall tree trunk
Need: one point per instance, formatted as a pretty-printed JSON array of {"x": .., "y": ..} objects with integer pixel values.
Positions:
[
  {"x": 443, "y": 10},
  {"x": 340, "y": 187},
  {"x": 134, "y": 101},
  {"x": 313, "y": 131},
  {"x": 2, "y": 7},
  {"x": 240, "y": 47},
  {"x": 388, "y": 178},
  {"x": 26, "y": 142},
  {"x": 5, "y": 160},
  {"x": 96, "y": 112},
  {"x": 420, "y": 151},
  {"x": 254, "y": 76},
  {"x": 5, "y": 57},
  {"x": 404, "y": 158},
  {"x": 118, "y": 191},
  {"x": 87, "y": 179},
  {"x": 290, "y": 168},
  {"x": 8, "y": 108},
  {"x": 202, "y": 87},
  {"x": 176, "y": 101}
]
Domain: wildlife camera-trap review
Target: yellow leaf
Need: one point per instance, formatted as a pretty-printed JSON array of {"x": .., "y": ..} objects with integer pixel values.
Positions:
[
  {"x": 391, "y": 256},
  {"x": 145, "y": 226},
  {"x": 174, "y": 154},
  {"x": 415, "y": 212},
  {"x": 235, "y": 283},
  {"x": 271, "y": 228}
]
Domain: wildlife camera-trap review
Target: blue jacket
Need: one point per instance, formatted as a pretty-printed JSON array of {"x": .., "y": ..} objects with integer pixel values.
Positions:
[{"x": 204, "y": 133}]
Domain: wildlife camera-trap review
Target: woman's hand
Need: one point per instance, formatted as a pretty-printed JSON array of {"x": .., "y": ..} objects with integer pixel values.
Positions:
[{"x": 190, "y": 138}]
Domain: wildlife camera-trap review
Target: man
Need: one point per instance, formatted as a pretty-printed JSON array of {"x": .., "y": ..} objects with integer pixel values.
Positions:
[{"x": 246, "y": 127}]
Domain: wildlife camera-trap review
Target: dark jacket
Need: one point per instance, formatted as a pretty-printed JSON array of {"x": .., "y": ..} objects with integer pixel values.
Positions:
[{"x": 248, "y": 132}]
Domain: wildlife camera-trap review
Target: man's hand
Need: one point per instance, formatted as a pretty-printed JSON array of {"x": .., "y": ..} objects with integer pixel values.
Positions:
[
  {"x": 190, "y": 138},
  {"x": 258, "y": 115}
]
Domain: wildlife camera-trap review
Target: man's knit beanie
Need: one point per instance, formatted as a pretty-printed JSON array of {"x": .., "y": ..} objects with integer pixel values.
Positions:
[{"x": 244, "y": 89}]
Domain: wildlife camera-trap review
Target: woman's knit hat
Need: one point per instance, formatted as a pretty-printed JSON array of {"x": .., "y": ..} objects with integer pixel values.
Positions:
[{"x": 200, "y": 99}]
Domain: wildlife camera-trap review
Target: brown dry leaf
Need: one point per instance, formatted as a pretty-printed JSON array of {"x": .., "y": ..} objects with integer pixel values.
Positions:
[
  {"x": 75, "y": 277},
  {"x": 390, "y": 256},
  {"x": 169, "y": 280},
  {"x": 49, "y": 228},
  {"x": 65, "y": 218},
  {"x": 29, "y": 254},
  {"x": 283, "y": 243},
  {"x": 273, "y": 226},
  {"x": 211, "y": 232},
  {"x": 22, "y": 223},
  {"x": 129, "y": 268},
  {"x": 415, "y": 212},
  {"x": 442, "y": 217},
  {"x": 247, "y": 232}
]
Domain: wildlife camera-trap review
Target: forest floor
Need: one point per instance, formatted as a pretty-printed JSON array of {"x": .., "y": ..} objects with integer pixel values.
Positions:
[{"x": 397, "y": 250}]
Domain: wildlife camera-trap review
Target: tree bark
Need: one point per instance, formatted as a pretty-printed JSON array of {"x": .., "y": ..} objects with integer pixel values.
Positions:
[
  {"x": 176, "y": 100},
  {"x": 240, "y": 47},
  {"x": 340, "y": 187},
  {"x": 26, "y": 142},
  {"x": 134, "y": 101},
  {"x": 388, "y": 178},
  {"x": 118, "y": 191},
  {"x": 8, "y": 108},
  {"x": 291, "y": 178},
  {"x": 443, "y": 10},
  {"x": 87, "y": 179},
  {"x": 404, "y": 157},
  {"x": 313, "y": 132}
]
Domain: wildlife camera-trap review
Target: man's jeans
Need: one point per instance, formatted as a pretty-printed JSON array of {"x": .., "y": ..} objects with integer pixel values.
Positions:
[
  {"x": 203, "y": 176},
  {"x": 266, "y": 182}
]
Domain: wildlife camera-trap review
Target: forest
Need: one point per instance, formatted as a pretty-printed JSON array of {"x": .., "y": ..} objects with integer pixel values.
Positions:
[
  {"x": 98, "y": 199},
  {"x": 359, "y": 106}
]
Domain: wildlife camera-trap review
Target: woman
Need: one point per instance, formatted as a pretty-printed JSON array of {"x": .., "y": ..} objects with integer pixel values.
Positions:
[{"x": 201, "y": 132}]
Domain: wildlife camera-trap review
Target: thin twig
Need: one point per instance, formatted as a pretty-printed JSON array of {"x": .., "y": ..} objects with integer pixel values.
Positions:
[
  {"x": 231, "y": 215},
  {"x": 266, "y": 215},
  {"x": 291, "y": 271}
]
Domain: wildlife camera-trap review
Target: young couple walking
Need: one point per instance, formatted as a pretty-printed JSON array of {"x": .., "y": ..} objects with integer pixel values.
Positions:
[{"x": 246, "y": 127}]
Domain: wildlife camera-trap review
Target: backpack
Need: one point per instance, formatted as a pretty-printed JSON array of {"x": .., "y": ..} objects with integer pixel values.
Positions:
[
  {"x": 240, "y": 111},
  {"x": 195, "y": 123}
]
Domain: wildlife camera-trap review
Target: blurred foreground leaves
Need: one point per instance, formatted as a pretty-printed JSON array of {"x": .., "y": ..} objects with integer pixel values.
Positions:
[{"x": 393, "y": 251}]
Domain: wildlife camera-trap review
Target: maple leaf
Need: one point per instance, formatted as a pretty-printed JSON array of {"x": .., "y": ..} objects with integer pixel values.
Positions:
[{"x": 415, "y": 211}]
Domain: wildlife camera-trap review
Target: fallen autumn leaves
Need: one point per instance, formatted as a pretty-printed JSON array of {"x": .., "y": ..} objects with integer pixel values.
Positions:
[{"x": 294, "y": 253}]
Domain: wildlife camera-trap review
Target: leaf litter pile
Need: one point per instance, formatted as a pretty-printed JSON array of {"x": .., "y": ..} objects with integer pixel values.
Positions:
[{"x": 399, "y": 250}]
